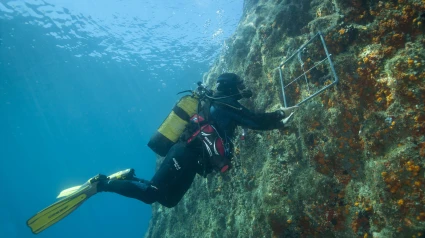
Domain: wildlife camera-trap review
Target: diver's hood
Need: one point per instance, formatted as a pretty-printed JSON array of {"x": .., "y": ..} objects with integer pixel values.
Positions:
[{"x": 233, "y": 93}]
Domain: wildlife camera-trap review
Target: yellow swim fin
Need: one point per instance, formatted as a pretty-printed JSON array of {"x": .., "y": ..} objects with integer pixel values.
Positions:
[
  {"x": 120, "y": 175},
  {"x": 68, "y": 191},
  {"x": 72, "y": 199},
  {"x": 75, "y": 196}
]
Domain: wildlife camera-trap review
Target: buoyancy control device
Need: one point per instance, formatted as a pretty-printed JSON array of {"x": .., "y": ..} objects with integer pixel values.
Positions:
[{"x": 217, "y": 152}]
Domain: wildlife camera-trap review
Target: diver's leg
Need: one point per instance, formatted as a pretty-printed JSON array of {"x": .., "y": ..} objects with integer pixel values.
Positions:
[
  {"x": 169, "y": 184},
  {"x": 125, "y": 183},
  {"x": 138, "y": 188},
  {"x": 176, "y": 174}
]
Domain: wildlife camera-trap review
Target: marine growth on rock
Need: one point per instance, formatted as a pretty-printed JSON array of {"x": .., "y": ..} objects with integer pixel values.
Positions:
[{"x": 352, "y": 164}]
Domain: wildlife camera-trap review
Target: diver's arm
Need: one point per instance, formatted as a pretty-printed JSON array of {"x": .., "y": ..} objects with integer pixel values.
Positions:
[
  {"x": 266, "y": 121},
  {"x": 261, "y": 121},
  {"x": 273, "y": 120},
  {"x": 257, "y": 121}
]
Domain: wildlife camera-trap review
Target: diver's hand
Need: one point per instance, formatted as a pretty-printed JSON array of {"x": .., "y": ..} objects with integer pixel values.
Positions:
[
  {"x": 286, "y": 122},
  {"x": 289, "y": 110},
  {"x": 288, "y": 118}
]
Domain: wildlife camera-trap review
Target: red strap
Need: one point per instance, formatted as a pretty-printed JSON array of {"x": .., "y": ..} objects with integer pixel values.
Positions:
[
  {"x": 196, "y": 133},
  {"x": 224, "y": 169},
  {"x": 219, "y": 146}
]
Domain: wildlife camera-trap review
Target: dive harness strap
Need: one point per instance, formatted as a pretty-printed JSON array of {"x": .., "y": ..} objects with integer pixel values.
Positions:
[{"x": 212, "y": 143}]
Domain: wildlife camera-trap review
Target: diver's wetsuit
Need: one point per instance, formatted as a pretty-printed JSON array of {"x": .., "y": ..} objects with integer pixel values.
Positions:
[
  {"x": 169, "y": 183},
  {"x": 183, "y": 161}
]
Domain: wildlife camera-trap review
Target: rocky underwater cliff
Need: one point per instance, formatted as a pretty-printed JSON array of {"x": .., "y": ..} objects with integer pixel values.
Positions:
[{"x": 352, "y": 164}]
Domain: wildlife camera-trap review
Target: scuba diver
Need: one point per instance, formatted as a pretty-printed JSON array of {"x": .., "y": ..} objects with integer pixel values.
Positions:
[{"x": 204, "y": 145}]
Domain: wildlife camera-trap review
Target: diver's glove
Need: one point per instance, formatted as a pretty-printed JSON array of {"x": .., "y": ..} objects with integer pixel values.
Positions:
[
  {"x": 279, "y": 115},
  {"x": 287, "y": 121},
  {"x": 287, "y": 111}
]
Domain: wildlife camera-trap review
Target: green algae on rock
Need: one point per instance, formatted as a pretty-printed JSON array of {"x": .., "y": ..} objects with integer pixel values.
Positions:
[{"x": 352, "y": 165}]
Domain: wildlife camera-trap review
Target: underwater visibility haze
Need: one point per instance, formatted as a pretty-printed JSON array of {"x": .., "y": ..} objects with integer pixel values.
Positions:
[{"x": 83, "y": 85}]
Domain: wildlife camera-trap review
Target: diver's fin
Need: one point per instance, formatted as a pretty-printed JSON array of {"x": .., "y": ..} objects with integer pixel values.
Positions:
[
  {"x": 60, "y": 209},
  {"x": 72, "y": 199},
  {"x": 68, "y": 191},
  {"x": 120, "y": 175},
  {"x": 126, "y": 174}
]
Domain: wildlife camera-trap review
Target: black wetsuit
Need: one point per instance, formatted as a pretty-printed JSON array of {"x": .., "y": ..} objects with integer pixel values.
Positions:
[{"x": 184, "y": 161}]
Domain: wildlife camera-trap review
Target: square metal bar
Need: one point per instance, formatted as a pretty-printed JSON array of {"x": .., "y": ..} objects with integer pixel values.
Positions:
[{"x": 298, "y": 54}]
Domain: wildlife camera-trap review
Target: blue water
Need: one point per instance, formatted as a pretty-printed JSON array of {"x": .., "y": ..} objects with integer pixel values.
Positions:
[{"x": 83, "y": 85}]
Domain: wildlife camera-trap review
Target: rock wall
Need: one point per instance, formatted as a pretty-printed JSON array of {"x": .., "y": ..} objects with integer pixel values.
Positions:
[{"x": 352, "y": 164}]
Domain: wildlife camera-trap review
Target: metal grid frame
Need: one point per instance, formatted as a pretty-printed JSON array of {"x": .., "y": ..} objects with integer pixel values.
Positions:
[{"x": 298, "y": 54}]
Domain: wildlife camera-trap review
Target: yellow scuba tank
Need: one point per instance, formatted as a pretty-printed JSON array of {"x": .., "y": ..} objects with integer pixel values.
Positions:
[{"x": 173, "y": 126}]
